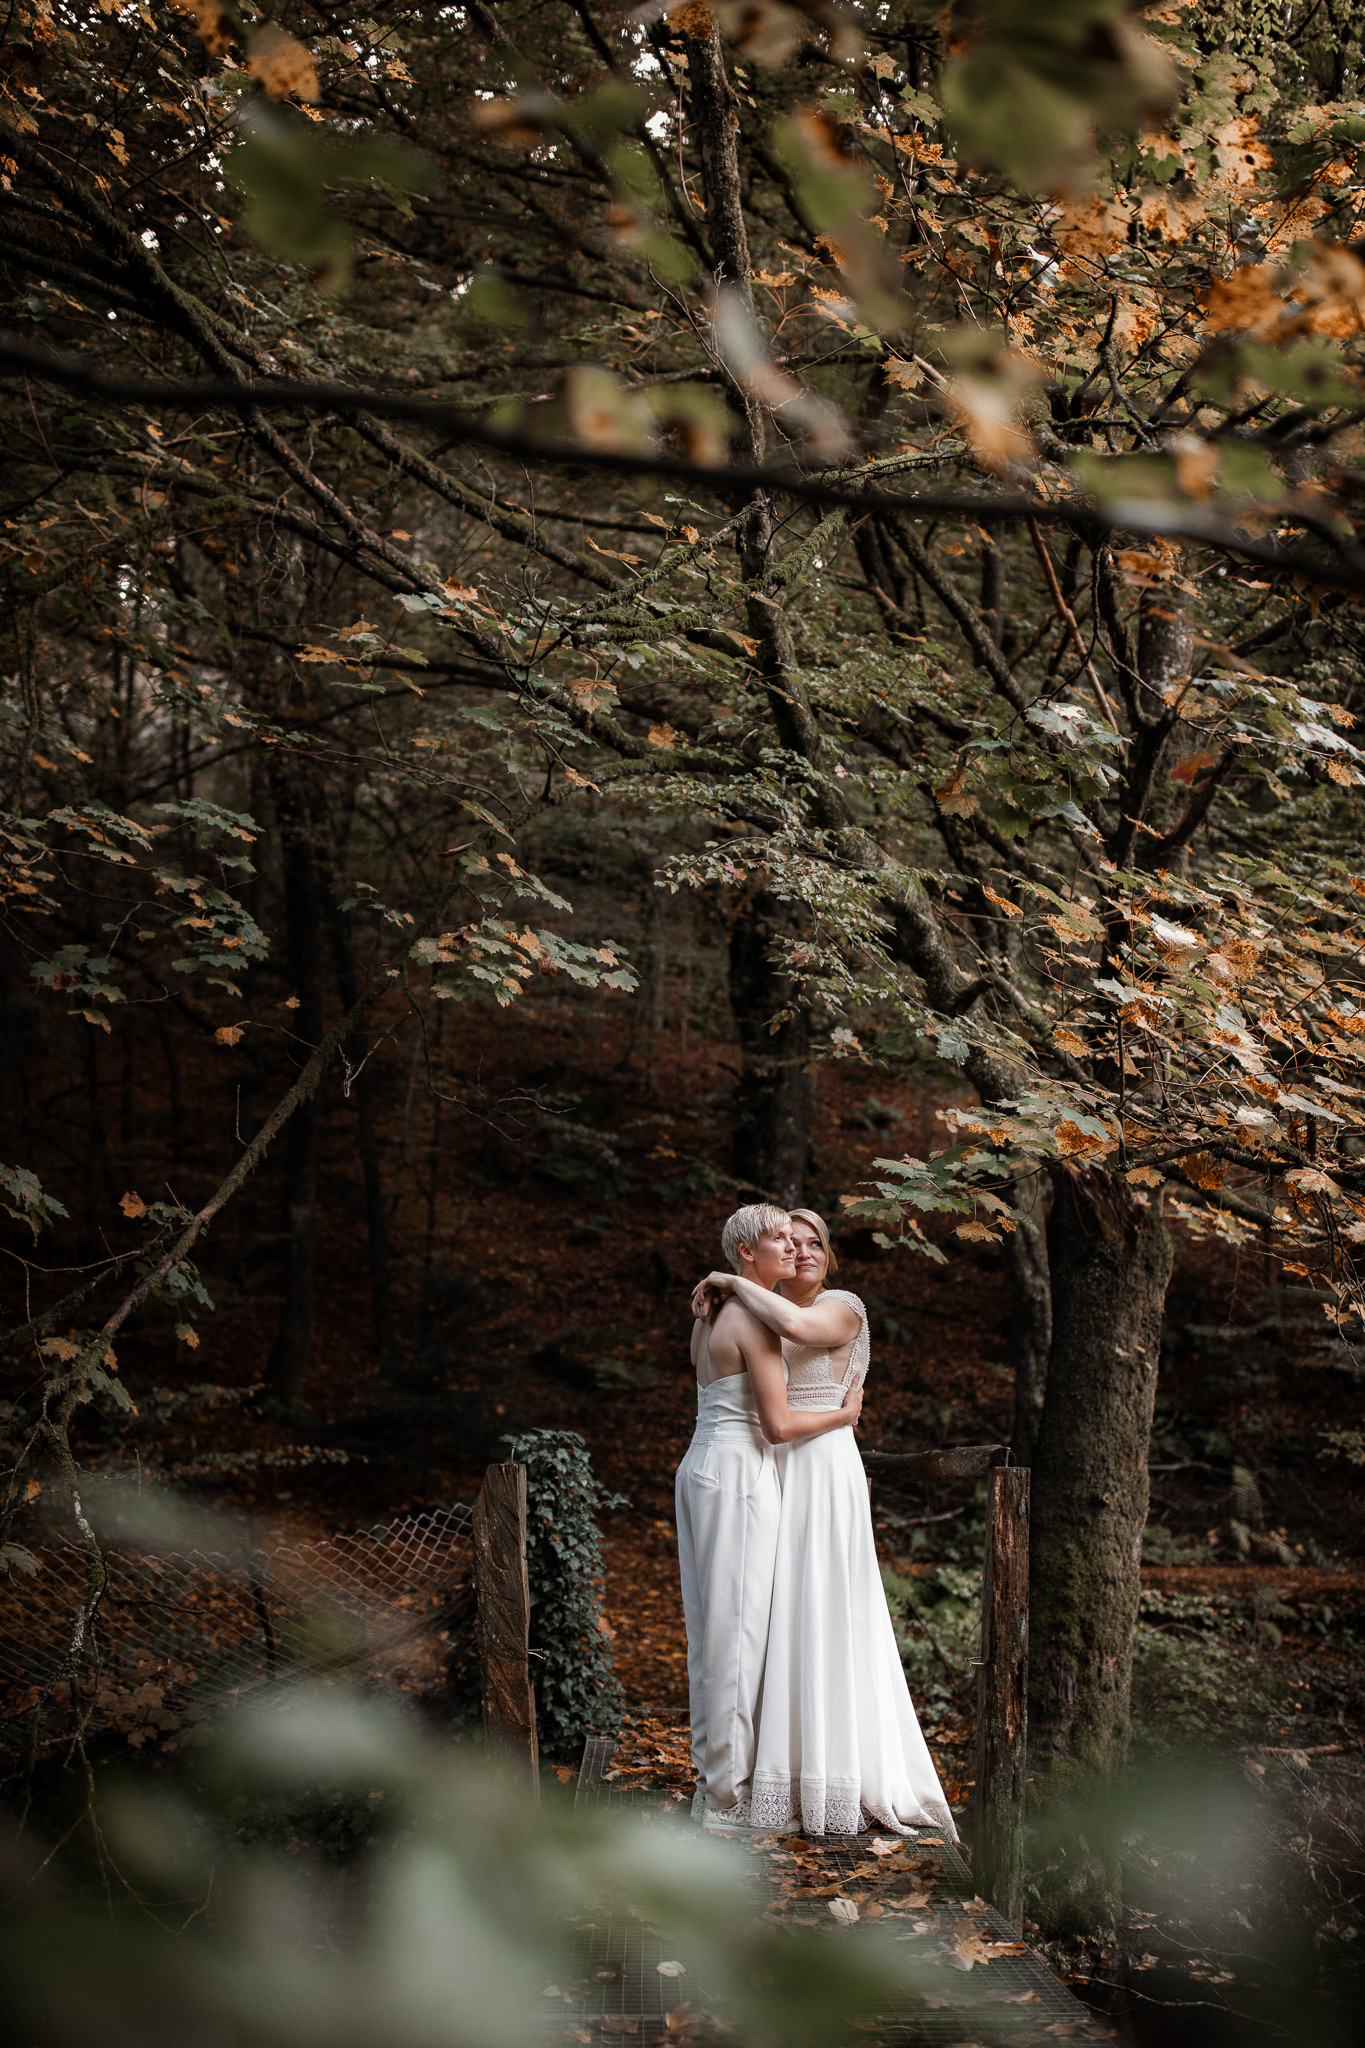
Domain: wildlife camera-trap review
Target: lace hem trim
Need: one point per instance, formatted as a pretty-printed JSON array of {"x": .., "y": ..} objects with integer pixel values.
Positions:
[
  {"x": 830, "y": 1806},
  {"x": 819, "y": 1806}
]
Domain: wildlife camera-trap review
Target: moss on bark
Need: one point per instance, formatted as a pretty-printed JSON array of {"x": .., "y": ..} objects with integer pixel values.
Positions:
[{"x": 1110, "y": 1262}]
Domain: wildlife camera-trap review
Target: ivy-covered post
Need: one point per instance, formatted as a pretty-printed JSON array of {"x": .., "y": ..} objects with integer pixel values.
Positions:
[
  {"x": 504, "y": 1616},
  {"x": 576, "y": 1689}
]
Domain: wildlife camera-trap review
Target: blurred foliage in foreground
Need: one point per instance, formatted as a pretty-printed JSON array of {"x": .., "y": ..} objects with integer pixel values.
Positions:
[{"x": 209, "y": 1913}]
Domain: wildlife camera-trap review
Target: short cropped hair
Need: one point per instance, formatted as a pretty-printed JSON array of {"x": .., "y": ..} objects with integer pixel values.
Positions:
[
  {"x": 821, "y": 1229},
  {"x": 746, "y": 1226}
]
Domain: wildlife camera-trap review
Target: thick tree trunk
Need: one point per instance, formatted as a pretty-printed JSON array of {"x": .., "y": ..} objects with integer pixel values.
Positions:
[
  {"x": 292, "y": 1351},
  {"x": 772, "y": 1099},
  {"x": 1030, "y": 1325},
  {"x": 1110, "y": 1261}
]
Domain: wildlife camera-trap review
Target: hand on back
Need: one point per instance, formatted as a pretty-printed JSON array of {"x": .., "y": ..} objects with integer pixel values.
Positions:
[{"x": 715, "y": 1288}]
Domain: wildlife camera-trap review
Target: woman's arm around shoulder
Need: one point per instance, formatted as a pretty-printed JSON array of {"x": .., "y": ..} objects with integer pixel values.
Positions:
[{"x": 830, "y": 1321}]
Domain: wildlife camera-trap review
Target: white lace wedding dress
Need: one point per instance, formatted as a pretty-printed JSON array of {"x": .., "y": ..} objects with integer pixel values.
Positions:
[{"x": 838, "y": 1740}]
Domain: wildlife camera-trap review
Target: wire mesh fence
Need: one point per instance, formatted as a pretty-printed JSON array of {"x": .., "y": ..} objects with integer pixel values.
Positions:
[{"x": 177, "y": 1638}]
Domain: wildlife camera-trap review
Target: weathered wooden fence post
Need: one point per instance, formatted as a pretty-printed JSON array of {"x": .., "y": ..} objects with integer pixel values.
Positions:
[
  {"x": 504, "y": 1616},
  {"x": 1002, "y": 1698}
]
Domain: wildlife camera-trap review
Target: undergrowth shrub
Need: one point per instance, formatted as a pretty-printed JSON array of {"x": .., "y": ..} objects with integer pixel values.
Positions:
[
  {"x": 575, "y": 1682},
  {"x": 1200, "y": 1673},
  {"x": 937, "y": 1619}
]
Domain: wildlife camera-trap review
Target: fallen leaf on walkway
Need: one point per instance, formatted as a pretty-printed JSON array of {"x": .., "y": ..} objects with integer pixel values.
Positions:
[
  {"x": 972, "y": 1949},
  {"x": 844, "y": 1909},
  {"x": 670, "y": 1969},
  {"x": 678, "y": 2019},
  {"x": 886, "y": 1845},
  {"x": 957, "y": 1962},
  {"x": 617, "y": 2023},
  {"x": 565, "y": 1773}
]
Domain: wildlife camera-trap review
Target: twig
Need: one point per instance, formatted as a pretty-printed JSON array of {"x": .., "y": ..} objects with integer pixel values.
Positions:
[{"x": 1065, "y": 613}]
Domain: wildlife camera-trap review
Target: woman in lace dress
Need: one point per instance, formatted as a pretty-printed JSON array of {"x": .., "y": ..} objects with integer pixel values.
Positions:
[
  {"x": 838, "y": 1739},
  {"x": 729, "y": 1501}
]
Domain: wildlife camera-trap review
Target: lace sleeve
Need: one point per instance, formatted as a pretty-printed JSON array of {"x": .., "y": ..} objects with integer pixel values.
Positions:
[{"x": 860, "y": 1357}]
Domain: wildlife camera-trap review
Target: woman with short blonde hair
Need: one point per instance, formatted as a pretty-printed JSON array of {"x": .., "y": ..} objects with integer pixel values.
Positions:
[{"x": 838, "y": 1742}]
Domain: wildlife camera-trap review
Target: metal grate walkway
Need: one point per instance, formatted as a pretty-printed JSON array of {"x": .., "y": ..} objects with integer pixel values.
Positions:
[{"x": 1010, "y": 1998}]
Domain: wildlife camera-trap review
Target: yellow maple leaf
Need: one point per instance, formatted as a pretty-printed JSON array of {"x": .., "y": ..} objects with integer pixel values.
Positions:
[
  {"x": 133, "y": 1206},
  {"x": 228, "y": 1034},
  {"x": 662, "y": 736}
]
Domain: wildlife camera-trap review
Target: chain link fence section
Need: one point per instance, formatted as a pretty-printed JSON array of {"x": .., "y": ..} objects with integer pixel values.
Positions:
[{"x": 178, "y": 1638}]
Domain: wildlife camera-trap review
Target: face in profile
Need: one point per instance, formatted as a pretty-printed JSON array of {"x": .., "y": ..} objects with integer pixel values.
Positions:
[{"x": 773, "y": 1257}]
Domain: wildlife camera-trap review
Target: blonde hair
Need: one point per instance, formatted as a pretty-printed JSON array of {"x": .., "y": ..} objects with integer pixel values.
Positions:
[
  {"x": 746, "y": 1226},
  {"x": 821, "y": 1229}
]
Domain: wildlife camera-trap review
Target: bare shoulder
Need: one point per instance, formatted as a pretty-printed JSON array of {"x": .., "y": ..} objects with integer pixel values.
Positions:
[{"x": 744, "y": 1328}]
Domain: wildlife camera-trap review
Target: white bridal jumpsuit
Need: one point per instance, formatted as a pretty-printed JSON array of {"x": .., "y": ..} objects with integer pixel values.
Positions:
[
  {"x": 729, "y": 1498},
  {"x": 837, "y": 1738}
]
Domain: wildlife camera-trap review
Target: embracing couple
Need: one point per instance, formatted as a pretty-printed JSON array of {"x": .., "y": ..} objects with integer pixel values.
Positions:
[{"x": 799, "y": 1709}]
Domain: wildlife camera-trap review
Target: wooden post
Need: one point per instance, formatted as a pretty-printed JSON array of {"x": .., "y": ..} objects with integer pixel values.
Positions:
[
  {"x": 1002, "y": 1698},
  {"x": 504, "y": 1616}
]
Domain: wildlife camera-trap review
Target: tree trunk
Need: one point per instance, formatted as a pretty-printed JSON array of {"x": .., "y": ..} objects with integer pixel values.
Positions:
[
  {"x": 1165, "y": 648},
  {"x": 1030, "y": 1325},
  {"x": 362, "y": 1093},
  {"x": 1110, "y": 1261},
  {"x": 994, "y": 589},
  {"x": 292, "y": 1351},
  {"x": 771, "y": 1104}
]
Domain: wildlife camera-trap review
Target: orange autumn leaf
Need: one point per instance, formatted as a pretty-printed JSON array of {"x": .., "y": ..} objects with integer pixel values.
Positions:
[
  {"x": 133, "y": 1206},
  {"x": 1205, "y": 1171},
  {"x": 1239, "y": 155},
  {"x": 1169, "y": 218},
  {"x": 282, "y": 65},
  {"x": 1331, "y": 287},
  {"x": 1074, "y": 1143},
  {"x": 1094, "y": 226},
  {"x": 1246, "y": 302}
]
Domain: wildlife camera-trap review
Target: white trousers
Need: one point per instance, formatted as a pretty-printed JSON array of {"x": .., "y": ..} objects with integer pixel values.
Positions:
[{"x": 729, "y": 1502}]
